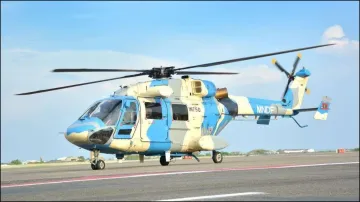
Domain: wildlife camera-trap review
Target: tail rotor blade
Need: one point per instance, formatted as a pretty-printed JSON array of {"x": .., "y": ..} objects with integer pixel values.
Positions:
[
  {"x": 280, "y": 67},
  {"x": 296, "y": 63},
  {"x": 286, "y": 89}
]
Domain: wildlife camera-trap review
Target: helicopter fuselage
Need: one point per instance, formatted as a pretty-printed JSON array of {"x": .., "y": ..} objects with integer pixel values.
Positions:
[{"x": 176, "y": 115}]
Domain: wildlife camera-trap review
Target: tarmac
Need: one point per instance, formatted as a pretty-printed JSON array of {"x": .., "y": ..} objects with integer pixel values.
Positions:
[{"x": 311, "y": 176}]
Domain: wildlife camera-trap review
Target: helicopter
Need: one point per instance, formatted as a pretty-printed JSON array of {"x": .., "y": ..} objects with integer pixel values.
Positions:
[{"x": 178, "y": 117}]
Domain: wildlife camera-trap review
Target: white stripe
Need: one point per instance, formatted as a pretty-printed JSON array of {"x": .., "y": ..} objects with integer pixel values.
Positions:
[{"x": 215, "y": 196}]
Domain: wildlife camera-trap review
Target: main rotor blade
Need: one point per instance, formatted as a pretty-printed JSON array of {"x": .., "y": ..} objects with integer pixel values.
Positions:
[
  {"x": 80, "y": 84},
  {"x": 203, "y": 73},
  {"x": 252, "y": 57},
  {"x": 98, "y": 70}
]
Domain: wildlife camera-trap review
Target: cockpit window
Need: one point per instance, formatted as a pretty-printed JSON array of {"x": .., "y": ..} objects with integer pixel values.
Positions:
[
  {"x": 108, "y": 111},
  {"x": 90, "y": 110}
]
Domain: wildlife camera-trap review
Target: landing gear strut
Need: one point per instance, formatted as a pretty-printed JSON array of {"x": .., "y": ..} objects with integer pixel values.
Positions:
[
  {"x": 96, "y": 163},
  {"x": 217, "y": 157}
]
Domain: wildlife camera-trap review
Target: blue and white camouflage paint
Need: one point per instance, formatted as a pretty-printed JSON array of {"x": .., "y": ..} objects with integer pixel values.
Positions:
[{"x": 207, "y": 115}]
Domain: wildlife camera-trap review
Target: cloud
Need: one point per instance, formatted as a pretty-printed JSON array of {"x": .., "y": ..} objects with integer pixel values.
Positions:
[{"x": 336, "y": 34}]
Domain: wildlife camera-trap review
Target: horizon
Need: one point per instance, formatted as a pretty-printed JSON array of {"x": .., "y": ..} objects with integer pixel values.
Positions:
[{"x": 108, "y": 156}]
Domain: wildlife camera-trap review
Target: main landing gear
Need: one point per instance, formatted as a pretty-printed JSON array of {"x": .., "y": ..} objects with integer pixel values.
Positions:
[
  {"x": 163, "y": 161},
  {"x": 217, "y": 157},
  {"x": 96, "y": 163}
]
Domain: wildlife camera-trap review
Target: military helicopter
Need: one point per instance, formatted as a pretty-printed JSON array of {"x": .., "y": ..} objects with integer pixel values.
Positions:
[{"x": 177, "y": 117}]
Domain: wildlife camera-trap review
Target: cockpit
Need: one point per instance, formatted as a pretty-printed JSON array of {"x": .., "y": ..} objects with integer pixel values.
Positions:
[
  {"x": 114, "y": 116},
  {"x": 106, "y": 110}
]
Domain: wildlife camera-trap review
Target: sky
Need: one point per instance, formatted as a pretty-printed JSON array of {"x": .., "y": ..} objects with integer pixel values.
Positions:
[{"x": 37, "y": 37}]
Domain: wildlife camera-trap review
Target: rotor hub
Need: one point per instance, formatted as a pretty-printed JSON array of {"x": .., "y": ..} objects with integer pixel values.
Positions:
[{"x": 161, "y": 72}]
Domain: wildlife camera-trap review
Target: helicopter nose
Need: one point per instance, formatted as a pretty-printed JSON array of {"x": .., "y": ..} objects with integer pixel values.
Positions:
[
  {"x": 78, "y": 132},
  {"x": 78, "y": 135}
]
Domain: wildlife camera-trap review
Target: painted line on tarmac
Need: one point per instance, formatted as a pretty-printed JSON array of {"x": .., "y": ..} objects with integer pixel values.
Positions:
[
  {"x": 124, "y": 176},
  {"x": 215, "y": 196}
]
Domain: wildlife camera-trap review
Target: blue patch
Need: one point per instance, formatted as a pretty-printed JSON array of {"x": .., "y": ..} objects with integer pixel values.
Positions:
[
  {"x": 84, "y": 125},
  {"x": 303, "y": 73},
  {"x": 227, "y": 118},
  {"x": 230, "y": 105},
  {"x": 159, "y": 82},
  {"x": 211, "y": 116},
  {"x": 158, "y": 132},
  {"x": 210, "y": 86},
  {"x": 231, "y": 110}
]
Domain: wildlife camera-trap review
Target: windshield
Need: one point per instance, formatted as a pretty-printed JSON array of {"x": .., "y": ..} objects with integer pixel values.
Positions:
[{"x": 108, "y": 111}]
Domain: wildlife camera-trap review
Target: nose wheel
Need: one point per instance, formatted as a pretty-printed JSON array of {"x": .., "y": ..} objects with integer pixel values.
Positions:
[{"x": 96, "y": 163}]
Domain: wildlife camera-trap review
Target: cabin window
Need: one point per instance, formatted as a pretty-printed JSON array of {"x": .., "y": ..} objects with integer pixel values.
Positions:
[
  {"x": 153, "y": 110},
  {"x": 180, "y": 112}
]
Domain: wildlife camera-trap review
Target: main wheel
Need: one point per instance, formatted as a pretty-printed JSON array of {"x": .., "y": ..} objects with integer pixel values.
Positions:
[
  {"x": 163, "y": 161},
  {"x": 217, "y": 157},
  {"x": 93, "y": 166},
  {"x": 100, "y": 165}
]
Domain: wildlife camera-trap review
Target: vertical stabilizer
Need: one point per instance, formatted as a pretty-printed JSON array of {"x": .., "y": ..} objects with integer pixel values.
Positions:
[{"x": 323, "y": 109}]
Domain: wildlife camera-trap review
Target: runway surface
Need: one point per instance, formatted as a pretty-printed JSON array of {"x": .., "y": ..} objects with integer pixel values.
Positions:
[{"x": 327, "y": 176}]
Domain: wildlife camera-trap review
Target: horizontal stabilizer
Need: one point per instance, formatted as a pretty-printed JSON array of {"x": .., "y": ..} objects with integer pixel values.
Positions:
[
  {"x": 264, "y": 120},
  {"x": 296, "y": 111},
  {"x": 323, "y": 109}
]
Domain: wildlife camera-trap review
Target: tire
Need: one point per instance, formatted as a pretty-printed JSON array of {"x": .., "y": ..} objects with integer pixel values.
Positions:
[
  {"x": 100, "y": 165},
  {"x": 93, "y": 166},
  {"x": 163, "y": 161},
  {"x": 217, "y": 157}
]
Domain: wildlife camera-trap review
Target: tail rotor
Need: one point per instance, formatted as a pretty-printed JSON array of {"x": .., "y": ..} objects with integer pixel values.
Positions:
[{"x": 290, "y": 76}]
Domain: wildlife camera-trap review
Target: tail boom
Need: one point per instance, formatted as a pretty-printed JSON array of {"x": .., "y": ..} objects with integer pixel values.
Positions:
[{"x": 247, "y": 106}]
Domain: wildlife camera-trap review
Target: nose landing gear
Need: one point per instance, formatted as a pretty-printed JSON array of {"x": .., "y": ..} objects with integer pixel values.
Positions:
[{"x": 96, "y": 163}]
